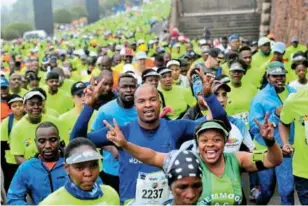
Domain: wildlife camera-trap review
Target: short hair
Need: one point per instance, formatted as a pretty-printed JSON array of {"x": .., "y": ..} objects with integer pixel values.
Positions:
[
  {"x": 46, "y": 125},
  {"x": 125, "y": 75},
  {"x": 244, "y": 48},
  {"x": 224, "y": 38},
  {"x": 75, "y": 143}
]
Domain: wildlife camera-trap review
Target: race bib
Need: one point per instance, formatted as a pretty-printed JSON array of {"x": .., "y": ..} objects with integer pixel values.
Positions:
[
  {"x": 152, "y": 189},
  {"x": 243, "y": 116},
  {"x": 306, "y": 128}
]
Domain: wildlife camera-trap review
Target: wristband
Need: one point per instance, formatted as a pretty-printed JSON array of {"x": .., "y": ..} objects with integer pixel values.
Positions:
[{"x": 269, "y": 142}]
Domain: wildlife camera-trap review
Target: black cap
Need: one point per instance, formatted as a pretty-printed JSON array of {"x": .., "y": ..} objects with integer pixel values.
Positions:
[
  {"x": 78, "y": 88},
  {"x": 214, "y": 52},
  {"x": 149, "y": 72},
  {"x": 52, "y": 75}
]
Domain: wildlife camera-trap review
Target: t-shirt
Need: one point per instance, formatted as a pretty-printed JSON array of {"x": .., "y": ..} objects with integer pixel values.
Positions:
[
  {"x": 67, "y": 85},
  {"x": 63, "y": 197},
  {"x": 123, "y": 116},
  {"x": 298, "y": 86},
  {"x": 21, "y": 93},
  {"x": 178, "y": 98},
  {"x": 69, "y": 118},
  {"x": 291, "y": 50},
  {"x": 295, "y": 110},
  {"x": 260, "y": 59},
  {"x": 283, "y": 95},
  {"x": 168, "y": 136},
  {"x": 4, "y": 127},
  {"x": 23, "y": 136},
  {"x": 254, "y": 75},
  {"x": 224, "y": 190},
  {"x": 239, "y": 101},
  {"x": 61, "y": 101}
]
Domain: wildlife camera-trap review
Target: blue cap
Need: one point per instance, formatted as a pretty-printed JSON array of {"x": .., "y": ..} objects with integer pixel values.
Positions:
[
  {"x": 4, "y": 82},
  {"x": 279, "y": 47},
  {"x": 234, "y": 36},
  {"x": 141, "y": 55}
]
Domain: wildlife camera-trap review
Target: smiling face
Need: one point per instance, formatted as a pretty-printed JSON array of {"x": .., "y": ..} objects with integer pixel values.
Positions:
[
  {"x": 34, "y": 107},
  {"x": 147, "y": 104},
  {"x": 211, "y": 145},
  {"x": 186, "y": 191},
  {"x": 278, "y": 81}
]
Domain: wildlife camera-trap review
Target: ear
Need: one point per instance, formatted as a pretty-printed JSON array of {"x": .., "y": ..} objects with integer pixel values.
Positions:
[{"x": 67, "y": 168}]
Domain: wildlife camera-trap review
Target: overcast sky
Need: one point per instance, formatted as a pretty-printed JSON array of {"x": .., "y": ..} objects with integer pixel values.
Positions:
[{"x": 8, "y": 2}]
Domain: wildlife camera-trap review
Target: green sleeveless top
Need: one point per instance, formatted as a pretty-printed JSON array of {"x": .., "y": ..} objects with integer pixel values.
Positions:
[{"x": 225, "y": 190}]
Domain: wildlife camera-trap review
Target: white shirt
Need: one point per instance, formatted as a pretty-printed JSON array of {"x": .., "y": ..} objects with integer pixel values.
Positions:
[{"x": 298, "y": 86}]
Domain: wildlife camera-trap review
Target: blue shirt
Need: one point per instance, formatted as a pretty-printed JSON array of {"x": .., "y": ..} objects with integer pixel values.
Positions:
[
  {"x": 123, "y": 116},
  {"x": 168, "y": 136}
]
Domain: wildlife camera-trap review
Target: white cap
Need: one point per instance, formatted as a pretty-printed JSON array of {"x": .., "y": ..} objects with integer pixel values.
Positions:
[
  {"x": 31, "y": 94},
  {"x": 181, "y": 38},
  {"x": 202, "y": 42},
  {"x": 140, "y": 41},
  {"x": 263, "y": 40},
  {"x": 173, "y": 62}
]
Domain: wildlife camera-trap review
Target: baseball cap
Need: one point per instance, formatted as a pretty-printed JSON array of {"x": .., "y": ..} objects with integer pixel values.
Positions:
[
  {"x": 299, "y": 56},
  {"x": 294, "y": 39},
  {"x": 52, "y": 75},
  {"x": 276, "y": 68},
  {"x": 234, "y": 37},
  {"x": 84, "y": 156},
  {"x": 149, "y": 72},
  {"x": 236, "y": 67},
  {"x": 205, "y": 50},
  {"x": 263, "y": 40},
  {"x": 218, "y": 84},
  {"x": 202, "y": 42},
  {"x": 279, "y": 47},
  {"x": 214, "y": 124},
  {"x": 14, "y": 98},
  {"x": 78, "y": 87},
  {"x": 173, "y": 62},
  {"x": 141, "y": 55},
  {"x": 4, "y": 82},
  {"x": 161, "y": 71},
  {"x": 31, "y": 94},
  {"x": 214, "y": 52}
]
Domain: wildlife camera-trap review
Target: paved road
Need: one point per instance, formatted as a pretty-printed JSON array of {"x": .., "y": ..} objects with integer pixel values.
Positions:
[{"x": 275, "y": 199}]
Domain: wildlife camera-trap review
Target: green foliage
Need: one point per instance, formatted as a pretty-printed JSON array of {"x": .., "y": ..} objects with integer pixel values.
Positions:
[
  {"x": 78, "y": 12},
  {"x": 15, "y": 30},
  {"x": 62, "y": 16}
]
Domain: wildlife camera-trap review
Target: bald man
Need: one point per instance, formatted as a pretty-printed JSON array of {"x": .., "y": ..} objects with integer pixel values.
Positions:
[{"x": 148, "y": 130}]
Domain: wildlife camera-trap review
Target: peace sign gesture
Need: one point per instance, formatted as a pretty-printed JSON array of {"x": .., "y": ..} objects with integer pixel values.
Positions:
[
  {"x": 207, "y": 82},
  {"x": 267, "y": 129},
  {"x": 115, "y": 134},
  {"x": 91, "y": 93}
]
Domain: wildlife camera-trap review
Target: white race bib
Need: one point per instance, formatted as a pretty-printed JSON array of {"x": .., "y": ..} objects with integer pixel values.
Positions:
[
  {"x": 152, "y": 189},
  {"x": 306, "y": 127},
  {"x": 242, "y": 116}
]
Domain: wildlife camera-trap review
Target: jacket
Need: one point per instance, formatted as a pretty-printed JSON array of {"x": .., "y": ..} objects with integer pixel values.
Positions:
[
  {"x": 193, "y": 113},
  {"x": 267, "y": 100},
  {"x": 33, "y": 178}
]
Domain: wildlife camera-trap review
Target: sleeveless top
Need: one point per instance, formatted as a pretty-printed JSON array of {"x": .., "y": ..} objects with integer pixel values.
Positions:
[{"x": 224, "y": 190}]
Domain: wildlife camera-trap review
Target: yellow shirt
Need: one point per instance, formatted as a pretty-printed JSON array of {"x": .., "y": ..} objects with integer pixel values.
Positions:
[{"x": 61, "y": 101}]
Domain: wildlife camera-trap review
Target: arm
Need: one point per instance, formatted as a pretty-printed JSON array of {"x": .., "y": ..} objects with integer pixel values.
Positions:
[
  {"x": 18, "y": 189},
  {"x": 19, "y": 159}
]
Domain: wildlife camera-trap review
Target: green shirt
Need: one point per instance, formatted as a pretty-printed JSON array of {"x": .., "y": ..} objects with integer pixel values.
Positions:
[
  {"x": 178, "y": 98},
  {"x": 61, "y": 101},
  {"x": 62, "y": 197},
  {"x": 225, "y": 190},
  {"x": 295, "y": 110}
]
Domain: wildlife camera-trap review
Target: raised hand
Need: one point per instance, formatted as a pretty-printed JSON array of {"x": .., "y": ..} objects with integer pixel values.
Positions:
[
  {"x": 267, "y": 129},
  {"x": 207, "y": 82},
  {"x": 92, "y": 92},
  {"x": 115, "y": 134}
]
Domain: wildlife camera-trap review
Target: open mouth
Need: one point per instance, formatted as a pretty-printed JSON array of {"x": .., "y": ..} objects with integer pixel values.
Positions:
[
  {"x": 211, "y": 154},
  {"x": 149, "y": 112}
]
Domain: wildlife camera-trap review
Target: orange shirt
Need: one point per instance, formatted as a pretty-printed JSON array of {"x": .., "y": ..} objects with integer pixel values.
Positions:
[{"x": 5, "y": 110}]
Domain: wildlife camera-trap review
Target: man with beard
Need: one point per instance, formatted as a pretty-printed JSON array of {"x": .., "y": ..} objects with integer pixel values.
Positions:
[
  {"x": 148, "y": 130},
  {"x": 23, "y": 133},
  {"x": 57, "y": 99},
  {"x": 43, "y": 174},
  {"x": 270, "y": 100},
  {"x": 122, "y": 109}
]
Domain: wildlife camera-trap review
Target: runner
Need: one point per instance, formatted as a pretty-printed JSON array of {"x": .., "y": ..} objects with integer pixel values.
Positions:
[
  {"x": 300, "y": 69},
  {"x": 295, "y": 111},
  {"x": 43, "y": 174},
  {"x": 271, "y": 99},
  {"x": 82, "y": 167},
  {"x": 149, "y": 127},
  {"x": 221, "y": 171},
  {"x": 15, "y": 85},
  {"x": 178, "y": 78},
  {"x": 264, "y": 53}
]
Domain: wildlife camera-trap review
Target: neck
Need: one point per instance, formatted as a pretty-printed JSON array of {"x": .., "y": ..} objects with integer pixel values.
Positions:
[
  {"x": 16, "y": 90},
  {"x": 35, "y": 120},
  {"x": 207, "y": 63},
  {"x": 236, "y": 84},
  {"x": 149, "y": 125},
  {"x": 218, "y": 167},
  {"x": 53, "y": 159},
  {"x": 303, "y": 81},
  {"x": 18, "y": 117},
  {"x": 126, "y": 105},
  {"x": 52, "y": 92}
]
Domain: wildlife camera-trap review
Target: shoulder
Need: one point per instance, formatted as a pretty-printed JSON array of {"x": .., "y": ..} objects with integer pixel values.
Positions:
[
  {"x": 29, "y": 165},
  {"x": 109, "y": 105},
  {"x": 111, "y": 194},
  {"x": 66, "y": 115},
  {"x": 56, "y": 197}
]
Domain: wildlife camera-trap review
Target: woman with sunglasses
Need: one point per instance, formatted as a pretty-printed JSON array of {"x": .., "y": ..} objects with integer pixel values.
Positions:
[
  {"x": 81, "y": 162},
  {"x": 221, "y": 171}
]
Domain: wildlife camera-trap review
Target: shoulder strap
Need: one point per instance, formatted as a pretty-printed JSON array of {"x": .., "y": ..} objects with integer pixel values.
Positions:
[{"x": 10, "y": 123}]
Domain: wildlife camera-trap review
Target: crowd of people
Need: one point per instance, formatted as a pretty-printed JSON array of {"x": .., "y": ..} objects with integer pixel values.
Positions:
[{"x": 114, "y": 114}]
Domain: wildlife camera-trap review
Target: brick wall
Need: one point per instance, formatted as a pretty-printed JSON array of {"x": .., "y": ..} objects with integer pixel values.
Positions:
[{"x": 289, "y": 18}]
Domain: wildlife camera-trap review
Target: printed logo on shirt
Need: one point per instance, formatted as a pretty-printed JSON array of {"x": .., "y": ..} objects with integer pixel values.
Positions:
[
  {"x": 229, "y": 198},
  {"x": 27, "y": 141},
  {"x": 232, "y": 140}
]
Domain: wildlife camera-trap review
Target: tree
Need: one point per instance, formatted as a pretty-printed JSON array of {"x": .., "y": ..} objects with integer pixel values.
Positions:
[
  {"x": 78, "y": 12},
  {"x": 16, "y": 30},
  {"x": 62, "y": 16}
]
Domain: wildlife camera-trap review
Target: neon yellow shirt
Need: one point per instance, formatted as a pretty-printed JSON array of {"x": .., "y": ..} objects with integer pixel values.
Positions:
[
  {"x": 178, "y": 98},
  {"x": 23, "y": 135},
  {"x": 61, "y": 101},
  {"x": 295, "y": 110},
  {"x": 67, "y": 85},
  {"x": 21, "y": 93},
  {"x": 259, "y": 59},
  {"x": 290, "y": 51},
  {"x": 62, "y": 197}
]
